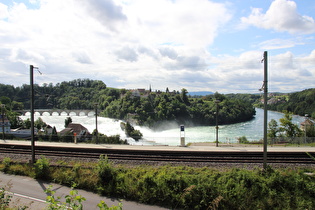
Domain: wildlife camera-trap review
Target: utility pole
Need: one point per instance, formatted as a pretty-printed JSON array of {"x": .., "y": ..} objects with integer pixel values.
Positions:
[
  {"x": 32, "y": 112},
  {"x": 265, "y": 85},
  {"x": 2, "y": 112},
  {"x": 216, "y": 123},
  {"x": 305, "y": 128},
  {"x": 96, "y": 130}
]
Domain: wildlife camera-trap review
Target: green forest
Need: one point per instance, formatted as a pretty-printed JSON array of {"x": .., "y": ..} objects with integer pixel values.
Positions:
[
  {"x": 300, "y": 103},
  {"x": 152, "y": 108},
  {"x": 146, "y": 107}
]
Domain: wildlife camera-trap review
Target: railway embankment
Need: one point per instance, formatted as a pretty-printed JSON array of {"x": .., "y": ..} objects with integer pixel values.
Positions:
[{"x": 216, "y": 183}]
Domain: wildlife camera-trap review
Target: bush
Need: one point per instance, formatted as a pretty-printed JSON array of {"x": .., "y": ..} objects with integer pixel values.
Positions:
[
  {"x": 130, "y": 131},
  {"x": 106, "y": 175},
  {"x": 6, "y": 162},
  {"x": 195, "y": 188},
  {"x": 5, "y": 198},
  {"x": 243, "y": 140},
  {"x": 42, "y": 168}
]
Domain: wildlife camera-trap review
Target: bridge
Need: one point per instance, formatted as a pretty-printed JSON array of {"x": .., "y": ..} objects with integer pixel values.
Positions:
[{"x": 58, "y": 111}]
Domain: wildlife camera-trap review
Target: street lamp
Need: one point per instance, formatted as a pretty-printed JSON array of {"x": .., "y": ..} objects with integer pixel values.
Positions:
[{"x": 216, "y": 122}]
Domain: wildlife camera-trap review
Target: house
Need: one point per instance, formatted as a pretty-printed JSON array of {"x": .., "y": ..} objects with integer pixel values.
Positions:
[
  {"x": 48, "y": 130},
  {"x": 140, "y": 92},
  {"x": 306, "y": 124},
  {"x": 135, "y": 93},
  {"x": 79, "y": 130}
]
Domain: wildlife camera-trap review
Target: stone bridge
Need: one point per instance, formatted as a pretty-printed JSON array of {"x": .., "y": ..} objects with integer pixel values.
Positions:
[{"x": 59, "y": 112}]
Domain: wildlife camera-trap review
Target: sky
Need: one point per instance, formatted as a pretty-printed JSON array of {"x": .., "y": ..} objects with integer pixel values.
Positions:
[{"x": 199, "y": 45}]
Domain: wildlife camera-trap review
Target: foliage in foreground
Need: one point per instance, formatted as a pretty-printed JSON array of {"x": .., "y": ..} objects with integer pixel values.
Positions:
[
  {"x": 72, "y": 201},
  {"x": 191, "y": 188}
]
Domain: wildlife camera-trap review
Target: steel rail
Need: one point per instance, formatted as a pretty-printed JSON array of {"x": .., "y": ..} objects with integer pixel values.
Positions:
[{"x": 165, "y": 155}]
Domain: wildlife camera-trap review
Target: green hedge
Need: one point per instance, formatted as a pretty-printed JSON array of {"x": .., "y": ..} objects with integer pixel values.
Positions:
[{"x": 191, "y": 188}]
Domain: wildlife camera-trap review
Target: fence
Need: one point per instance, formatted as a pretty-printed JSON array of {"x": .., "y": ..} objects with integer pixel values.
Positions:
[{"x": 291, "y": 140}]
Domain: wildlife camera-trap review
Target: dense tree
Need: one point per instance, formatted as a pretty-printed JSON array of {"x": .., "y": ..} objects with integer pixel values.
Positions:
[
  {"x": 273, "y": 128},
  {"x": 27, "y": 123},
  {"x": 76, "y": 94},
  {"x": 68, "y": 120},
  {"x": 289, "y": 128},
  {"x": 158, "y": 107},
  {"x": 39, "y": 123},
  {"x": 310, "y": 130},
  {"x": 184, "y": 96},
  {"x": 150, "y": 108},
  {"x": 299, "y": 103}
]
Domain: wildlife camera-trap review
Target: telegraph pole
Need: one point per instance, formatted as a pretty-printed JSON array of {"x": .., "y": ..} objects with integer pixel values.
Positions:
[
  {"x": 96, "y": 130},
  {"x": 32, "y": 112},
  {"x": 265, "y": 85},
  {"x": 2, "y": 112},
  {"x": 216, "y": 123}
]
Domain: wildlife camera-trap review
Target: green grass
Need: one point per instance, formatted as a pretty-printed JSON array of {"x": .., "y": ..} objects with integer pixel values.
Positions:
[{"x": 184, "y": 187}]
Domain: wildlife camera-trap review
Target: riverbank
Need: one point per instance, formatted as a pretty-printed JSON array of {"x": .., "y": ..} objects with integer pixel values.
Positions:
[
  {"x": 252, "y": 130},
  {"x": 252, "y": 145}
]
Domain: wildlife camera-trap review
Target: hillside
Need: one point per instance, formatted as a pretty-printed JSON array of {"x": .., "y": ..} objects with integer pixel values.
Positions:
[
  {"x": 138, "y": 106},
  {"x": 300, "y": 103}
]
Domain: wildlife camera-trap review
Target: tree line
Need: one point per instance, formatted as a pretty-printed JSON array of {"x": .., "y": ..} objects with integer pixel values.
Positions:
[
  {"x": 300, "y": 103},
  {"x": 155, "y": 108},
  {"x": 148, "y": 108}
]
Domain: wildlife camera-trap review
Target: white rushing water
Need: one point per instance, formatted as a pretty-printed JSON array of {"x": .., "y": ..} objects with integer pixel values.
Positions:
[{"x": 253, "y": 130}]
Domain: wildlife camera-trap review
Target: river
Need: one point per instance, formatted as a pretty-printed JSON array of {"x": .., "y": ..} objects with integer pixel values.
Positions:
[{"x": 253, "y": 130}]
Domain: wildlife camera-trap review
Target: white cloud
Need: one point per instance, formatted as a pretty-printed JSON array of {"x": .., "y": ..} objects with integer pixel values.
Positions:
[
  {"x": 273, "y": 44},
  {"x": 281, "y": 16},
  {"x": 168, "y": 52},
  {"x": 289, "y": 72},
  {"x": 82, "y": 57},
  {"x": 284, "y": 61},
  {"x": 134, "y": 43},
  {"x": 106, "y": 12},
  {"x": 127, "y": 53},
  {"x": 175, "y": 22},
  {"x": 309, "y": 60},
  {"x": 118, "y": 39},
  {"x": 3, "y": 11}
]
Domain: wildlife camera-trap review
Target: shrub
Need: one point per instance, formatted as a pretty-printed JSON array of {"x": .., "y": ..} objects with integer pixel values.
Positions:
[
  {"x": 103, "y": 206},
  {"x": 243, "y": 140},
  {"x": 195, "y": 188},
  {"x": 6, "y": 162},
  {"x": 42, "y": 168},
  {"x": 5, "y": 198},
  {"x": 73, "y": 200},
  {"x": 106, "y": 175},
  {"x": 131, "y": 131}
]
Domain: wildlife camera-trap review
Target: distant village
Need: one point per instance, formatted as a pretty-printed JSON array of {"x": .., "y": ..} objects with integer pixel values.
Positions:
[
  {"x": 73, "y": 129},
  {"x": 145, "y": 93}
]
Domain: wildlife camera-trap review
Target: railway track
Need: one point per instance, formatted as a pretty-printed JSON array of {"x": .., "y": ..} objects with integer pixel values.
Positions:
[{"x": 165, "y": 155}]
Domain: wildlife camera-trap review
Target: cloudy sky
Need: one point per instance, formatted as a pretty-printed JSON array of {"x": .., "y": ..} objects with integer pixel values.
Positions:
[{"x": 200, "y": 45}]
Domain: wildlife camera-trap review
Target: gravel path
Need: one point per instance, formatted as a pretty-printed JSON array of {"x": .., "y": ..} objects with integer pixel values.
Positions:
[{"x": 218, "y": 166}]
